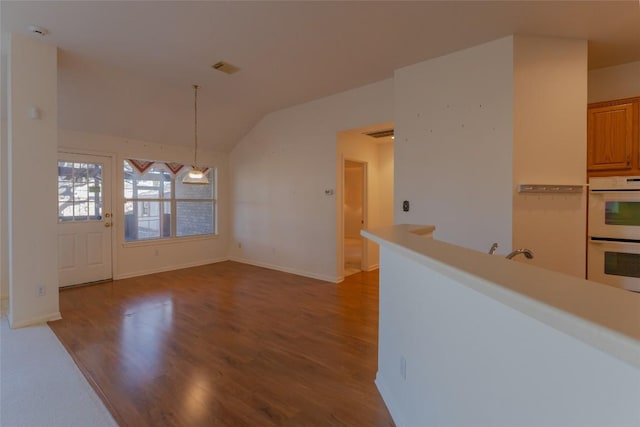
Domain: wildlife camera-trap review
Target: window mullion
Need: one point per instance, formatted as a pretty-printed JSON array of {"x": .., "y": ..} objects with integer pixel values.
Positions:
[{"x": 174, "y": 211}]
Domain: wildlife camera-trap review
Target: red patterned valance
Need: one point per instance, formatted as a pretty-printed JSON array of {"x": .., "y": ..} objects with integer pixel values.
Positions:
[
  {"x": 174, "y": 167},
  {"x": 141, "y": 165},
  {"x": 204, "y": 170}
]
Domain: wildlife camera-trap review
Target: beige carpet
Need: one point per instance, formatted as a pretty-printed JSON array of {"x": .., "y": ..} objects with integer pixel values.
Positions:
[{"x": 40, "y": 385}]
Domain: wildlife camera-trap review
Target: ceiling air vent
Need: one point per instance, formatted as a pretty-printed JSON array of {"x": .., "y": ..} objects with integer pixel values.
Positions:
[
  {"x": 381, "y": 133},
  {"x": 225, "y": 67}
]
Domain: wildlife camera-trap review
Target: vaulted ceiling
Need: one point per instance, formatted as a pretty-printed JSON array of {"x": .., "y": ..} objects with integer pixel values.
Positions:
[{"x": 126, "y": 68}]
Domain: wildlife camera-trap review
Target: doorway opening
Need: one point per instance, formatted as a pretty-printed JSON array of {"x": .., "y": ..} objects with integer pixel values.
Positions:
[
  {"x": 354, "y": 212},
  {"x": 364, "y": 194}
]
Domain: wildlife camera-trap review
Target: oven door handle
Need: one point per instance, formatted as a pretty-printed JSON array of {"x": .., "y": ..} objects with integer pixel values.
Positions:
[
  {"x": 614, "y": 191},
  {"x": 614, "y": 242}
]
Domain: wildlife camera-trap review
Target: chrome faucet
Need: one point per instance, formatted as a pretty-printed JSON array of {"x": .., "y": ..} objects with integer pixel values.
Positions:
[
  {"x": 526, "y": 252},
  {"x": 493, "y": 249}
]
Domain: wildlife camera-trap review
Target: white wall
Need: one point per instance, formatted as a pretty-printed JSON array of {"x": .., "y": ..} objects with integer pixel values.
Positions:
[
  {"x": 385, "y": 183},
  {"x": 472, "y": 125},
  {"x": 550, "y": 97},
  {"x": 453, "y": 145},
  {"x": 620, "y": 81},
  {"x": 279, "y": 173},
  {"x": 4, "y": 229},
  {"x": 32, "y": 147},
  {"x": 466, "y": 350},
  {"x": 134, "y": 259}
]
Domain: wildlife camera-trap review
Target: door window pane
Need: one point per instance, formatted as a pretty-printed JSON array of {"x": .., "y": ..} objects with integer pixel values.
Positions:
[{"x": 79, "y": 191}]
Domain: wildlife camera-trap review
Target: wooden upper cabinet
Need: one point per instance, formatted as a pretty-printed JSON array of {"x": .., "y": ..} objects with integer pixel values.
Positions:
[{"x": 610, "y": 133}]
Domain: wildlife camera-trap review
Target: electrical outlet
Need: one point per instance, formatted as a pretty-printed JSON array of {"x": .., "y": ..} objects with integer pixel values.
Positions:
[
  {"x": 157, "y": 252},
  {"x": 403, "y": 368},
  {"x": 42, "y": 291},
  {"x": 239, "y": 245}
]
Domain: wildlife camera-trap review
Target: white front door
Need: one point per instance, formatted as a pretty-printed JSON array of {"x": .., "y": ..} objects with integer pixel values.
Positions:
[{"x": 84, "y": 218}]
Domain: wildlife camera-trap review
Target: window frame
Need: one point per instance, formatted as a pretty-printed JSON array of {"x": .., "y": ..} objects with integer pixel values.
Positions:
[{"x": 173, "y": 202}]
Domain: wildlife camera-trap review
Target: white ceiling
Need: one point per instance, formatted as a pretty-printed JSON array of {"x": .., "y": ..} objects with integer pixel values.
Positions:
[{"x": 126, "y": 68}]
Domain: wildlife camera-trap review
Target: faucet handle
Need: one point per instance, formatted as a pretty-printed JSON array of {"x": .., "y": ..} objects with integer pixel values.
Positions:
[
  {"x": 522, "y": 251},
  {"x": 494, "y": 248}
]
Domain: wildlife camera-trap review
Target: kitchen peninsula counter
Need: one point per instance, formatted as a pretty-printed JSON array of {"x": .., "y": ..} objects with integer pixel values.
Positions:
[{"x": 480, "y": 322}]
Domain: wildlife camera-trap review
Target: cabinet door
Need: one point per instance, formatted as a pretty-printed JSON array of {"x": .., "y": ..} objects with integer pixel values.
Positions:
[{"x": 610, "y": 137}]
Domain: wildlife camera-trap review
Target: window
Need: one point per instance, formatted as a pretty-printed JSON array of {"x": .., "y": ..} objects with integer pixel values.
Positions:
[
  {"x": 158, "y": 205},
  {"x": 79, "y": 191}
]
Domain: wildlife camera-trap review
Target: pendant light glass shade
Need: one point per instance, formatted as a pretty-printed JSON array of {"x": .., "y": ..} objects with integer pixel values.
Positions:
[{"x": 196, "y": 175}]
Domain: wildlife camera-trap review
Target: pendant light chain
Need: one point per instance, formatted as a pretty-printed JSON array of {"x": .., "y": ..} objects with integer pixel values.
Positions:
[
  {"x": 195, "y": 108},
  {"x": 197, "y": 174}
]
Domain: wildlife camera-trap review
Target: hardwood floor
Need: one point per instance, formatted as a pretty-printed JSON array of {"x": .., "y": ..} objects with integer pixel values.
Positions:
[{"x": 229, "y": 344}]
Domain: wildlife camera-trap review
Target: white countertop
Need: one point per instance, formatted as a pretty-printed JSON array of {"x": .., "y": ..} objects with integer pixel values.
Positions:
[{"x": 605, "y": 317}]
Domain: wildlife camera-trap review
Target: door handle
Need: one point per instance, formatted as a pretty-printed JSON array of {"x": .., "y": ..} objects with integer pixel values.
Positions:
[
  {"x": 108, "y": 224},
  {"x": 614, "y": 242}
]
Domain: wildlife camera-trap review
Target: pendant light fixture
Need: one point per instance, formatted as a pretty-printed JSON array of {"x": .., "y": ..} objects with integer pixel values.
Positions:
[{"x": 197, "y": 174}]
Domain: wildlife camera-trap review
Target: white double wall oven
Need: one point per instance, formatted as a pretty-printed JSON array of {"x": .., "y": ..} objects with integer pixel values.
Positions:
[{"x": 614, "y": 231}]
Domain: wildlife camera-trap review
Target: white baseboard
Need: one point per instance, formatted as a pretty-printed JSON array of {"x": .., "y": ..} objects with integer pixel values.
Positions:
[
  {"x": 388, "y": 399},
  {"x": 35, "y": 320},
  {"x": 373, "y": 267},
  {"x": 326, "y": 278},
  {"x": 169, "y": 268}
]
